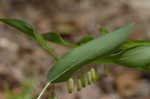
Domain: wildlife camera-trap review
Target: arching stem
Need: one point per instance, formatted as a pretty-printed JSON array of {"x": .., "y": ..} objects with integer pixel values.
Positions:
[{"x": 43, "y": 90}]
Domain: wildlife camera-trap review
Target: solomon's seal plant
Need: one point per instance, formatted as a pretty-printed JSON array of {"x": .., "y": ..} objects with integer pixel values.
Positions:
[{"x": 110, "y": 48}]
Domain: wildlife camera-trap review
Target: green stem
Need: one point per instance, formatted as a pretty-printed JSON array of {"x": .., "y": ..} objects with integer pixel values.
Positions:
[
  {"x": 51, "y": 51},
  {"x": 45, "y": 45},
  {"x": 43, "y": 90}
]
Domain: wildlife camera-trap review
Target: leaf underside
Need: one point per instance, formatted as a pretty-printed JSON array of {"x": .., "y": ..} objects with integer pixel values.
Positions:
[{"x": 77, "y": 57}]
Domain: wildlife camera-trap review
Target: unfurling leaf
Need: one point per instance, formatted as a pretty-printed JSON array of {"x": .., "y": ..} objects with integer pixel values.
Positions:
[{"x": 138, "y": 57}]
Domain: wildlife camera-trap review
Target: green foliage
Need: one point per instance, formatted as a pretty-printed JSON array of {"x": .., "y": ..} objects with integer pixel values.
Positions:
[
  {"x": 20, "y": 25},
  {"x": 137, "y": 57},
  {"x": 110, "y": 48},
  {"x": 76, "y": 58}
]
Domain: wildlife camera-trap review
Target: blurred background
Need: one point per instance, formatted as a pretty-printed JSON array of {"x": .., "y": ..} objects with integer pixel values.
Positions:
[{"x": 24, "y": 65}]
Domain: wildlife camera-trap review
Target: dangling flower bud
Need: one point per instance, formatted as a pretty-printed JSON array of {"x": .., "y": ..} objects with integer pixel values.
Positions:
[
  {"x": 79, "y": 84},
  {"x": 83, "y": 80},
  {"x": 93, "y": 74},
  {"x": 89, "y": 77},
  {"x": 70, "y": 85}
]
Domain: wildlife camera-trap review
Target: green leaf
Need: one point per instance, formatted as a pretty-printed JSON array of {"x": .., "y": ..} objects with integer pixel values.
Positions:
[
  {"x": 77, "y": 57},
  {"x": 85, "y": 39},
  {"x": 56, "y": 38},
  {"x": 28, "y": 30},
  {"x": 124, "y": 47},
  {"x": 53, "y": 37},
  {"x": 136, "y": 57},
  {"x": 20, "y": 25}
]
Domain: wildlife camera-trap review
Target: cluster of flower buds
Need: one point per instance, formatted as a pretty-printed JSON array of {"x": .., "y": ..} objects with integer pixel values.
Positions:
[{"x": 83, "y": 80}]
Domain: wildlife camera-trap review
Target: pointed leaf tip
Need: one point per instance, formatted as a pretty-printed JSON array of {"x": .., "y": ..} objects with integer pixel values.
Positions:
[{"x": 20, "y": 25}]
